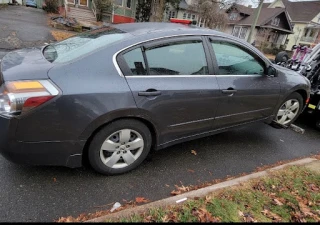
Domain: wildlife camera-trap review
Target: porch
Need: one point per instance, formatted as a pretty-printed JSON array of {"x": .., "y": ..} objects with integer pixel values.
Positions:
[
  {"x": 84, "y": 11},
  {"x": 269, "y": 37}
]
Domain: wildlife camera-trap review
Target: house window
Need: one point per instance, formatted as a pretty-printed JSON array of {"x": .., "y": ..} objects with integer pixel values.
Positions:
[
  {"x": 128, "y": 3},
  {"x": 243, "y": 32},
  {"x": 275, "y": 21},
  {"x": 189, "y": 15},
  {"x": 119, "y": 2},
  {"x": 240, "y": 32},
  {"x": 184, "y": 15},
  {"x": 233, "y": 16},
  {"x": 193, "y": 17},
  {"x": 172, "y": 14}
]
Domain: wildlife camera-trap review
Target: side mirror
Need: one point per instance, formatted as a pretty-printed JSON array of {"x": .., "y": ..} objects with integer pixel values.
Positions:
[{"x": 272, "y": 72}]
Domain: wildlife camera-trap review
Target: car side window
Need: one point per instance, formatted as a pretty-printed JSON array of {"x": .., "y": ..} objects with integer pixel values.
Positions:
[
  {"x": 177, "y": 58},
  {"x": 135, "y": 61},
  {"x": 234, "y": 60}
]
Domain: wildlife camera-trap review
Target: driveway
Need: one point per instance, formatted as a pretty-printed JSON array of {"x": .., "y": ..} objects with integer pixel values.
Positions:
[{"x": 21, "y": 27}]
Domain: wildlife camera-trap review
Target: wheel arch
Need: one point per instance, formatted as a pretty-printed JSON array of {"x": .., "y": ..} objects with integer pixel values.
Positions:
[{"x": 103, "y": 121}]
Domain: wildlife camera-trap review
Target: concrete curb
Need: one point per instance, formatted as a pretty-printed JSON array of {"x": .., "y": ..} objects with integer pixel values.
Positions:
[{"x": 196, "y": 193}]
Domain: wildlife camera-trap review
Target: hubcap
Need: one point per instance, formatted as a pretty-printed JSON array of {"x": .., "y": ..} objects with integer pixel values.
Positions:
[
  {"x": 121, "y": 148},
  {"x": 288, "y": 111}
]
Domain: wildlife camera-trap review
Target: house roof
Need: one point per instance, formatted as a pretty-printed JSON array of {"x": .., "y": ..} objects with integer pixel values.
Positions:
[
  {"x": 183, "y": 5},
  {"x": 242, "y": 9},
  {"x": 302, "y": 11},
  {"x": 266, "y": 14},
  {"x": 265, "y": 5}
]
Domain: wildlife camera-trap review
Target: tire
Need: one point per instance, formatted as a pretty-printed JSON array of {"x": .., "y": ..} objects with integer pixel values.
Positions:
[
  {"x": 118, "y": 158},
  {"x": 289, "y": 109},
  {"x": 281, "y": 57}
]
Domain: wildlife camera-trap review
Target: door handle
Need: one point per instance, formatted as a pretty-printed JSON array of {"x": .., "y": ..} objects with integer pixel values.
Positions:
[
  {"x": 229, "y": 91},
  {"x": 149, "y": 93}
]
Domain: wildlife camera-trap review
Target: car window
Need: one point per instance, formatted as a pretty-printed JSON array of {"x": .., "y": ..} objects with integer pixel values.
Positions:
[
  {"x": 81, "y": 44},
  {"x": 177, "y": 58},
  {"x": 135, "y": 61},
  {"x": 234, "y": 60}
]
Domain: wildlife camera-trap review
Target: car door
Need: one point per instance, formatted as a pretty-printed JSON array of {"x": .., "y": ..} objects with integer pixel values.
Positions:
[
  {"x": 248, "y": 94},
  {"x": 170, "y": 80}
]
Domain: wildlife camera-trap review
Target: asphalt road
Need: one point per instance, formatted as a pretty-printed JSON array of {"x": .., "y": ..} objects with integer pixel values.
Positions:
[
  {"x": 43, "y": 194},
  {"x": 22, "y": 26}
]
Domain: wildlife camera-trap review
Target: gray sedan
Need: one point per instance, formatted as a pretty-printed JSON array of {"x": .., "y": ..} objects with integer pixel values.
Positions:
[{"x": 112, "y": 94}]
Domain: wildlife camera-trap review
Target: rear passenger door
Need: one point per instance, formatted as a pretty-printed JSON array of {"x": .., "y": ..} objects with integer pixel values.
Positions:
[{"x": 171, "y": 80}]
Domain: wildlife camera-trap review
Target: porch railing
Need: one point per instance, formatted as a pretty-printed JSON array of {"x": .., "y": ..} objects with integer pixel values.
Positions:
[
  {"x": 65, "y": 7},
  {"x": 308, "y": 39},
  {"x": 94, "y": 9}
]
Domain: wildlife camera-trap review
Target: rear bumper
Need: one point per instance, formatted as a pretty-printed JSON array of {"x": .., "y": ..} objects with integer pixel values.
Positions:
[
  {"x": 66, "y": 153},
  {"x": 313, "y": 106}
]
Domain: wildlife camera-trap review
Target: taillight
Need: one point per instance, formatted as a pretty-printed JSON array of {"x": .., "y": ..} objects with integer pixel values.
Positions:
[{"x": 17, "y": 97}]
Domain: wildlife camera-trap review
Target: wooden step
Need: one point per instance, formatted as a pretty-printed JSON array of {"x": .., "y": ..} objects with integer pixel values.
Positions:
[{"x": 81, "y": 14}]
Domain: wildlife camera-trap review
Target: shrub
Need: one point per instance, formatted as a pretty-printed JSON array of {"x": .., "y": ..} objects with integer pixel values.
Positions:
[{"x": 51, "y": 6}]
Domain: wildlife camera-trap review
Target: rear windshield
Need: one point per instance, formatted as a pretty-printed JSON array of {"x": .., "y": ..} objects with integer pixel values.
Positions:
[{"x": 82, "y": 44}]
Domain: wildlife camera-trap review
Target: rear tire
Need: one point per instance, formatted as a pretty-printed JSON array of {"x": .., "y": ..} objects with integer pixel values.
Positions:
[{"x": 119, "y": 147}]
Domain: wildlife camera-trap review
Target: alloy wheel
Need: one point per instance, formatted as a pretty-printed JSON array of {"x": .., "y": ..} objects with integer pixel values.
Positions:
[
  {"x": 121, "y": 148},
  {"x": 288, "y": 111}
]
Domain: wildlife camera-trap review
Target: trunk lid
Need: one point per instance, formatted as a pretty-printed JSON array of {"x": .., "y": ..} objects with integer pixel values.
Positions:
[{"x": 24, "y": 64}]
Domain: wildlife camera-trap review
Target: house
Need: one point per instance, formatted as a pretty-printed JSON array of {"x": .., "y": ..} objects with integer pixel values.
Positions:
[
  {"x": 305, "y": 19},
  {"x": 20, "y": 2},
  {"x": 123, "y": 11},
  {"x": 272, "y": 28},
  {"x": 183, "y": 11}
]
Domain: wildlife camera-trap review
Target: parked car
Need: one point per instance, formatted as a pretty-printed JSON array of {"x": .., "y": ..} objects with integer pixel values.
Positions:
[
  {"x": 112, "y": 94},
  {"x": 306, "y": 61},
  {"x": 32, "y": 3}
]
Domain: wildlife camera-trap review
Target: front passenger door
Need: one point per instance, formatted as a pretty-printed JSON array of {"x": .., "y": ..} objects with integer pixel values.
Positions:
[{"x": 248, "y": 94}]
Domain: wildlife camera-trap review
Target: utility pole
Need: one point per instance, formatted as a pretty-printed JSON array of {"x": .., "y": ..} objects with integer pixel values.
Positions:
[{"x": 256, "y": 17}]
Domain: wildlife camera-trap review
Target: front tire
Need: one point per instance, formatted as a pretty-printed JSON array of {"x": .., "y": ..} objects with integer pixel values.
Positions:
[
  {"x": 119, "y": 147},
  {"x": 290, "y": 109},
  {"x": 281, "y": 57}
]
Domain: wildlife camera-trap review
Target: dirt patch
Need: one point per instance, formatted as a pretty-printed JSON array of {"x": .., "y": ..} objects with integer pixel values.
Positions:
[{"x": 61, "y": 35}]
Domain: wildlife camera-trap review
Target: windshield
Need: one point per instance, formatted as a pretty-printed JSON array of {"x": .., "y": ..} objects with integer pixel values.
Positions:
[{"x": 82, "y": 44}]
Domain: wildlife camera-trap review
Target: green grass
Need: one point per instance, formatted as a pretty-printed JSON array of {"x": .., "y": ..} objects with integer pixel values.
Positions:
[{"x": 288, "y": 195}]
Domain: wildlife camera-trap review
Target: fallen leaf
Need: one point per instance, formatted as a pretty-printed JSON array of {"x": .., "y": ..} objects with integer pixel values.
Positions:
[
  {"x": 194, "y": 152},
  {"x": 296, "y": 217},
  {"x": 273, "y": 187},
  {"x": 167, "y": 185},
  {"x": 54, "y": 179},
  {"x": 170, "y": 217},
  {"x": 240, "y": 213},
  {"x": 141, "y": 200},
  {"x": 204, "y": 216},
  {"x": 314, "y": 187},
  {"x": 277, "y": 202},
  {"x": 191, "y": 171},
  {"x": 271, "y": 215},
  {"x": 148, "y": 219}
]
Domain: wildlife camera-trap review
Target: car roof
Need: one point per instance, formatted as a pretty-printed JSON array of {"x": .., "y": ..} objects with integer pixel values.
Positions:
[{"x": 141, "y": 28}]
